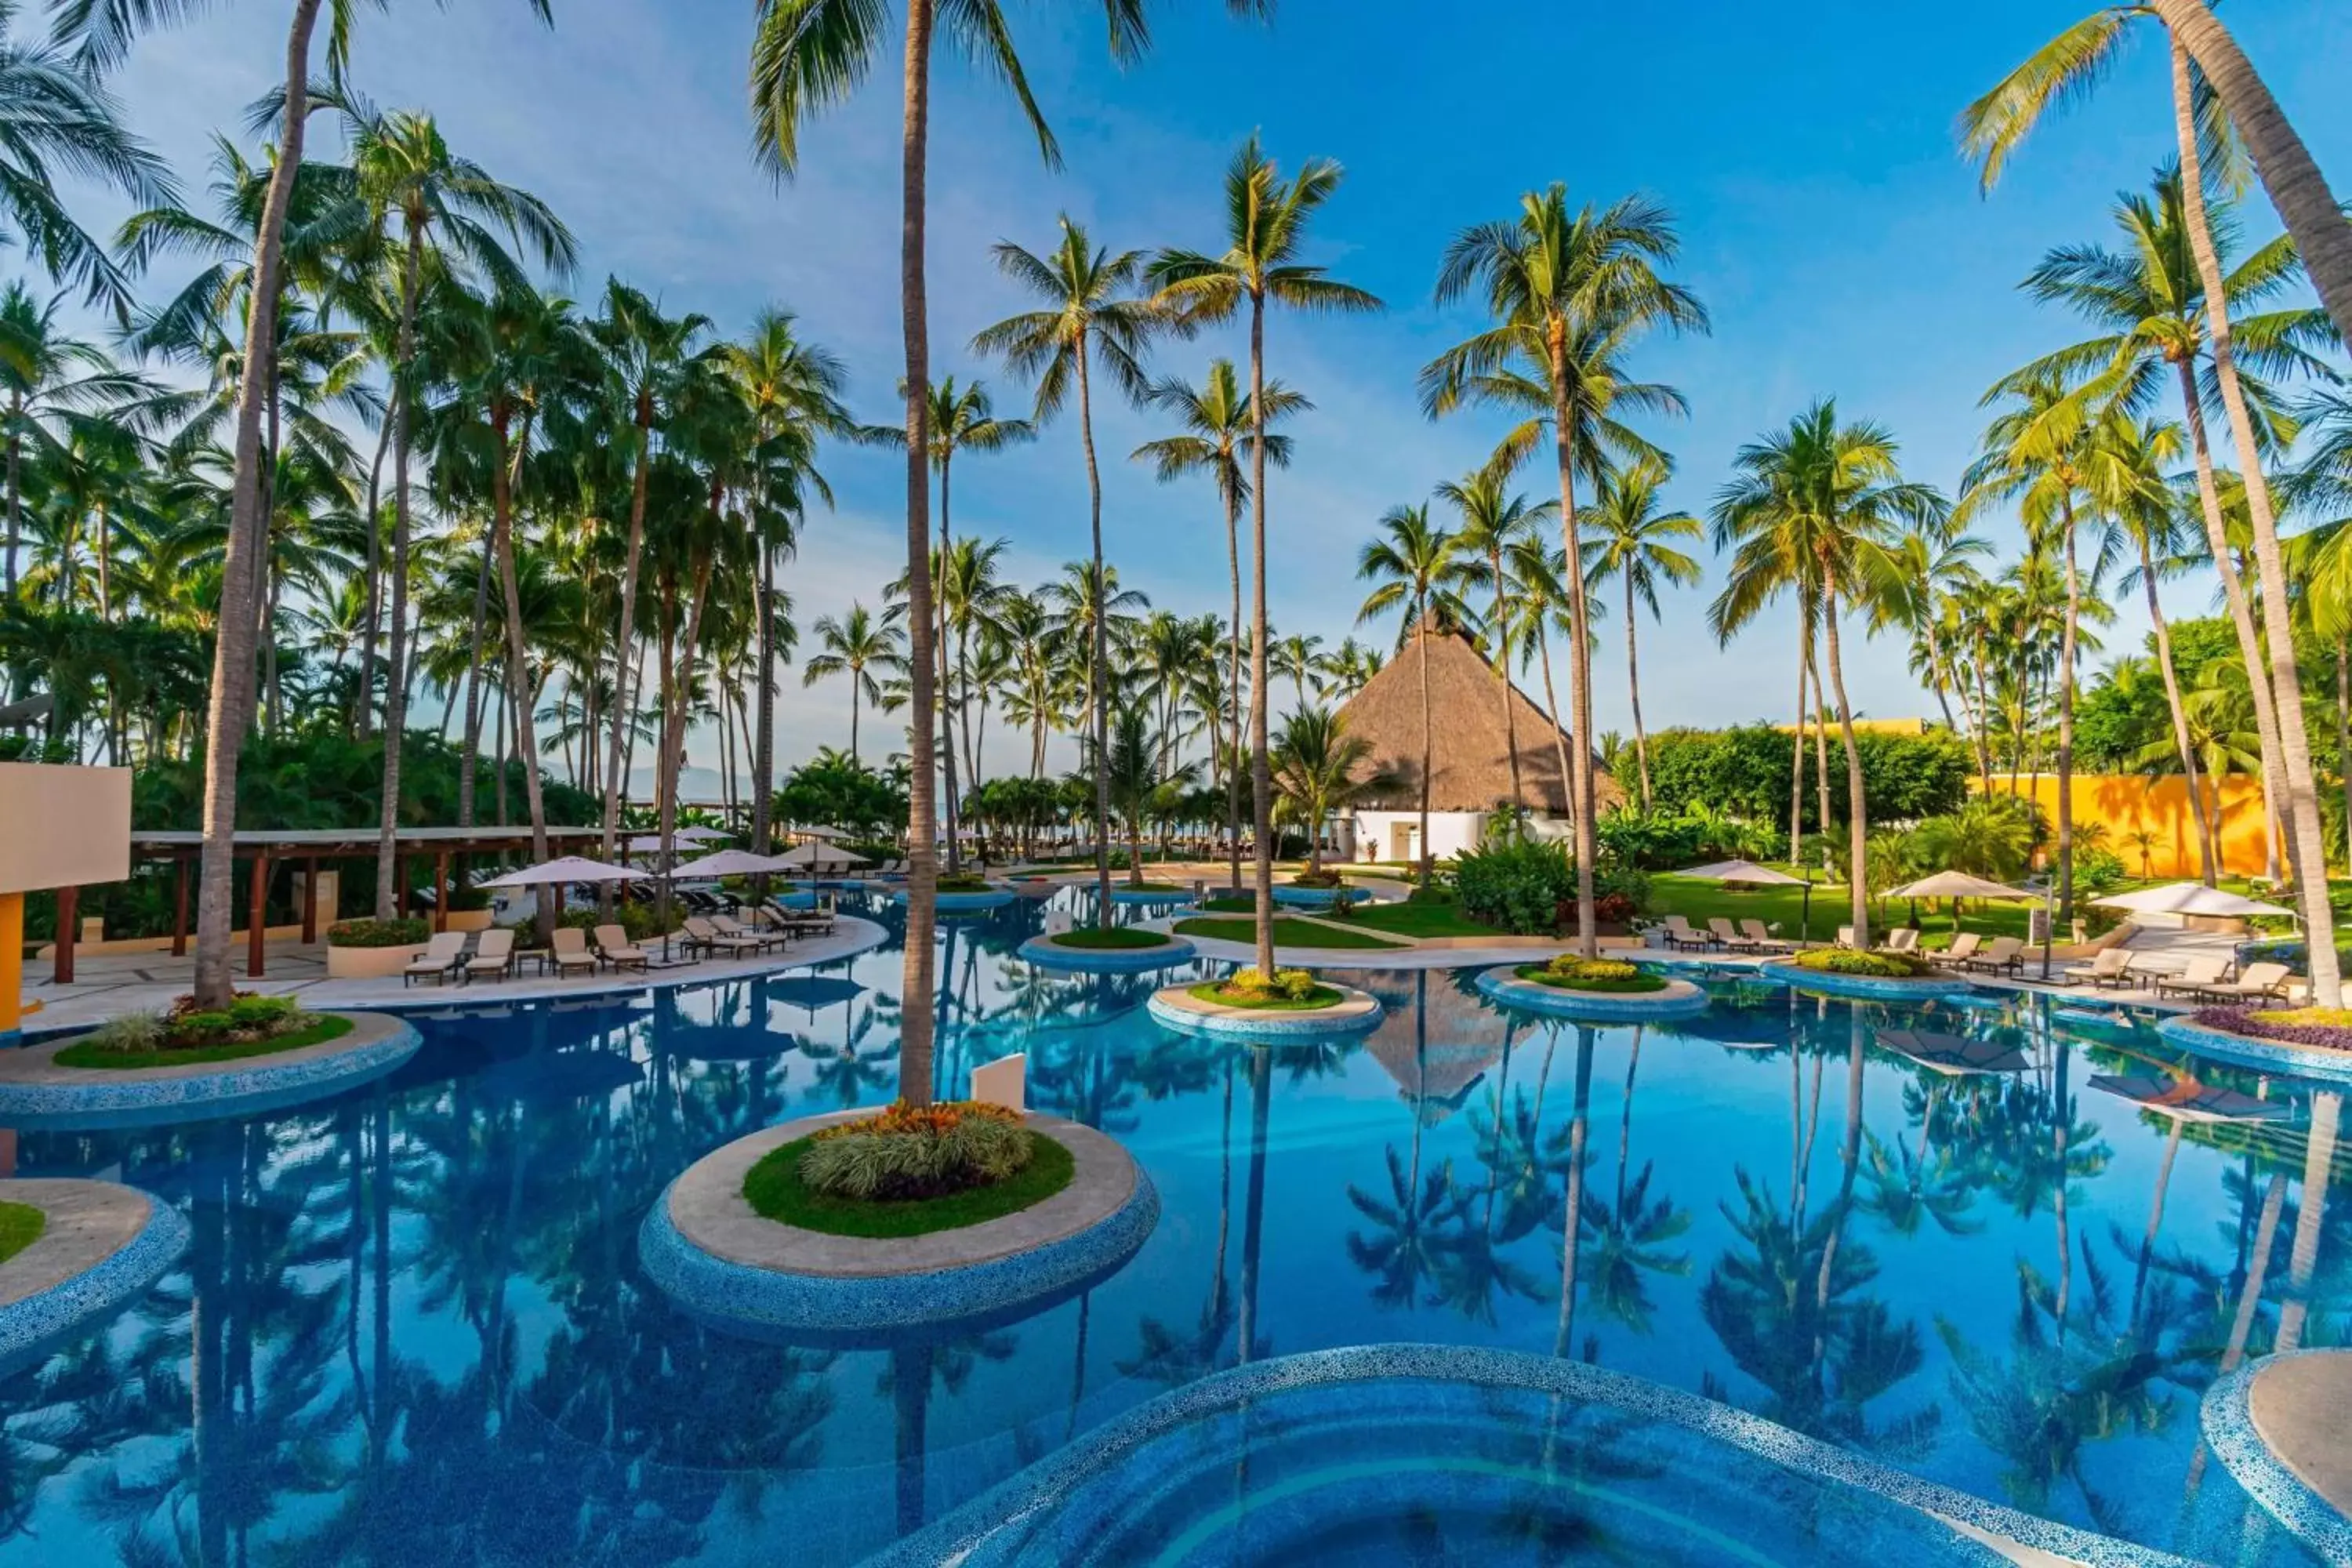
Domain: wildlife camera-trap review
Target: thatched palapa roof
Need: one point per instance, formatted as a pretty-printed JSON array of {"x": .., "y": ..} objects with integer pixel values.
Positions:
[{"x": 1471, "y": 755}]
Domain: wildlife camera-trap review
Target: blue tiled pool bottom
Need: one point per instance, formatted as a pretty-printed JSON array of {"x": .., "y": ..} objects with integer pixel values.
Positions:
[{"x": 1379, "y": 1456}]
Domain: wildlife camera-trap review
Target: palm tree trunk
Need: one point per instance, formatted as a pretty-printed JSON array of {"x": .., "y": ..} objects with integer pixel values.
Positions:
[
  {"x": 1821, "y": 717},
  {"x": 1099, "y": 652},
  {"x": 1633, "y": 694},
  {"x": 1796, "y": 763},
  {"x": 15, "y": 484},
  {"x": 1261, "y": 769},
  {"x": 616, "y": 779},
  {"x": 2301, "y": 807},
  {"x": 363, "y": 716},
  {"x": 2209, "y": 859},
  {"x": 950, "y": 801},
  {"x": 1572, "y": 1230},
  {"x": 764, "y": 743},
  {"x": 2066, "y": 642},
  {"x": 2344, "y": 736},
  {"x": 395, "y": 707},
  {"x": 1503, "y": 669},
  {"x": 1233, "y": 668},
  {"x": 2296, "y": 188},
  {"x": 1857, "y": 809},
  {"x": 922, "y": 866},
  {"x": 470, "y": 750},
  {"x": 1421, "y": 635},
  {"x": 1579, "y": 669},
  {"x": 517, "y": 662},
  {"x": 1551, "y": 709},
  {"x": 231, "y": 703}
]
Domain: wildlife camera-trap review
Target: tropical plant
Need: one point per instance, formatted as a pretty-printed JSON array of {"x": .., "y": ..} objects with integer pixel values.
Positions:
[{"x": 1635, "y": 541}]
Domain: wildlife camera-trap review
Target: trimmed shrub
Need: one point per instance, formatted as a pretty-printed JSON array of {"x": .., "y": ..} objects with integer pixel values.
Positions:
[
  {"x": 1326, "y": 877},
  {"x": 910, "y": 1152},
  {"x": 963, "y": 884},
  {"x": 1878, "y": 963},
  {"x": 1517, "y": 887},
  {"x": 379, "y": 933}
]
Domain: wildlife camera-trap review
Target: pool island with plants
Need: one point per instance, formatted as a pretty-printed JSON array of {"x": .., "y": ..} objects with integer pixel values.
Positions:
[
  {"x": 1595, "y": 990},
  {"x": 1251, "y": 1003},
  {"x": 257, "y": 1052},
  {"x": 74, "y": 1250},
  {"x": 1107, "y": 950},
  {"x": 1864, "y": 973}
]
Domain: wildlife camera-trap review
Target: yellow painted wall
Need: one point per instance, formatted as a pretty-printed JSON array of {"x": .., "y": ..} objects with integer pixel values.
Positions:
[{"x": 2126, "y": 803}]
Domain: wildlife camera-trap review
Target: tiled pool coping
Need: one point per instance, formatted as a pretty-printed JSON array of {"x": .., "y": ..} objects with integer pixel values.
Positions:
[
  {"x": 1047, "y": 953},
  {"x": 712, "y": 1253},
  {"x": 104, "y": 1244},
  {"x": 1046, "y": 1484},
  {"x": 36, "y": 1091},
  {"x": 1175, "y": 1006},
  {"x": 1864, "y": 987},
  {"x": 1680, "y": 999},
  {"x": 2272, "y": 1055},
  {"x": 2229, "y": 1425}
]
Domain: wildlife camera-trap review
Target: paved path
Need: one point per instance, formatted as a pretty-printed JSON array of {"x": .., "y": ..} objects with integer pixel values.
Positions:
[
  {"x": 2302, "y": 1410},
  {"x": 110, "y": 985}
]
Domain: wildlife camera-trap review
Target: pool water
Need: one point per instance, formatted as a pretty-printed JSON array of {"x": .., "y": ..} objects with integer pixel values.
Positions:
[{"x": 412, "y": 1327}]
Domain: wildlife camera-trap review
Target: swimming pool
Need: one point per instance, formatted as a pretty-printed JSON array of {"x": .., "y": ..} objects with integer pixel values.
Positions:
[{"x": 410, "y": 1326}]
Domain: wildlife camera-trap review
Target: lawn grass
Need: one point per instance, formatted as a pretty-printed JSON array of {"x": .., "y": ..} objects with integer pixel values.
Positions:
[
  {"x": 87, "y": 1056},
  {"x": 1416, "y": 920},
  {"x": 1287, "y": 933},
  {"x": 20, "y": 1226},
  {"x": 1314, "y": 1001},
  {"x": 773, "y": 1189},
  {"x": 1118, "y": 939},
  {"x": 1245, "y": 905}
]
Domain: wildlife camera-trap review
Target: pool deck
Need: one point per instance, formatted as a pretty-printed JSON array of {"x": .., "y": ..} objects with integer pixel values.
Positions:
[{"x": 108, "y": 985}]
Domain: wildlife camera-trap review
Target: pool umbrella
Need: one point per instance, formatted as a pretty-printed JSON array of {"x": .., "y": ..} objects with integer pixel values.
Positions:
[
  {"x": 2189, "y": 898},
  {"x": 699, "y": 835},
  {"x": 565, "y": 872},
  {"x": 1748, "y": 874},
  {"x": 729, "y": 863},
  {"x": 813, "y": 991},
  {"x": 824, "y": 831},
  {"x": 1957, "y": 885},
  {"x": 2187, "y": 1100},
  {"x": 816, "y": 853}
]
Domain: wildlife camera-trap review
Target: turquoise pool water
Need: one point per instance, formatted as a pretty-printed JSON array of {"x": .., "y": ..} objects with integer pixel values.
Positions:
[{"x": 411, "y": 1328}]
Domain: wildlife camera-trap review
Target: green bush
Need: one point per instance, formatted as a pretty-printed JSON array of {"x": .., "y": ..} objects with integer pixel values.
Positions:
[
  {"x": 260, "y": 1012},
  {"x": 905, "y": 1153},
  {"x": 1517, "y": 887},
  {"x": 378, "y": 934},
  {"x": 2098, "y": 871},
  {"x": 1878, "y": 963},
  {"x": 1323, "y": 878},
  {"x": 639, "y": 922},
  {"x": 1600, "y": 975},
  {"x": 961, "y": 883}
]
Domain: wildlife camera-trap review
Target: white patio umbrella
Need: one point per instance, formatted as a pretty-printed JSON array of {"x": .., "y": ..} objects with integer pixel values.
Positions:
[
  {"x": 1747, "y": 873},
  {"x": 816, "y": 853},
  {"x": 1958, "y": 885},
  {"x": 565, "y": 872},
  {"x": 701, "y": 834},
  {"x": 731, "y": 863},
  {"x": 2187, "y": 898},
  {"x": 823, "y": 831}
]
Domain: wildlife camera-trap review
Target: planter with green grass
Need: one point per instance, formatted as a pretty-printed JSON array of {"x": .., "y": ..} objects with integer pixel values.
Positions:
[
  {"x": 1861, "y": 975},
  {"x": 1593, "y": 990},
  {"x": 259, "y": 1052},
  {"x": 1250, "y": 1003},
  {"x": 74, "y": 1252}
]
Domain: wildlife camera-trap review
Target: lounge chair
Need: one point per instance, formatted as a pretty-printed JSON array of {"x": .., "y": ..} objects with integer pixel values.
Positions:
[
  {"x": 2107, "y": 967},
  {"x": 2260, "y": 981},
  {"x": 728, "y": 925},
  {"x": 1845, "y": 936},
  {"x": 805, "y": 922},
  {"x": 1902, "y": 939},
  {"x": 1729, "y": 937},
  {"x": 1679, "y": 934},
  {"x": 568, "y": 951},
  {"x": 1762, "y": 940},
  {"x": 439, "y": 959},
  {"x": 613, "y": 946},
  {"x": 1964, "y": 947},
  {"x": 705, "y": 935},
  {"x": 493, "y": 956},
  {"x": 2006, "y": 956},
  {"x": 2200, "y": 976}
]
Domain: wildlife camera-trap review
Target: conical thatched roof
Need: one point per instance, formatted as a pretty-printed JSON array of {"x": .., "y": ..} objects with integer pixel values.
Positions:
[{"x": 1471, "y": 753}]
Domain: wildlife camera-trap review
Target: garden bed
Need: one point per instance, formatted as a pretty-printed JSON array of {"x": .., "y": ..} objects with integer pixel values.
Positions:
[
  {"x": 775, "y": 1190},
  {"x": 1877, "y": 963},
  {"x": 2315, "y": 1028},
  {"x": 20, "y": 1226},
  {"x": 1593, "y": 976},
  {"x": 250, "y": 1026},
  {"x": 1293, "y": 991}
]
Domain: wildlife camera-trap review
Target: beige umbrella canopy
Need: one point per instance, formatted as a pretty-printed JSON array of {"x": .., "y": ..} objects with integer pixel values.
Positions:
[
  {"x": 2189, "y": 898},
  {"x": 1747, "y": 872},
  {"x": 731, "y": 863},
  {"x": 571, "y": 868},
  {"x": 815, "y": 853},
  {"x": 1958, "y": 885}
]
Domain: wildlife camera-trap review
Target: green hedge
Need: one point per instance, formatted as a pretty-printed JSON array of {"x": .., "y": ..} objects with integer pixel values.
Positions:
[{"x": 379, "y": 933}]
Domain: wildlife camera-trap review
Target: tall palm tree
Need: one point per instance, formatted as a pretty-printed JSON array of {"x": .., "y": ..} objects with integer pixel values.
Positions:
[
  {"x": 1568, "y": 295},
  {"x": 1091, "y": 321},
  {"x": 1493, "y": 523},
  {"x": 1819, "y": 504},
  {"x": 50, "y": 376},
  {"x": 1320, "y": 769},
  {"x": 805, "y": 55},
  {"x": 1219, "y": 426},
  {"x": 1633, "y": 541},
  {"x": 1267, "y": 230},
  {"x": 1413, "y": 568}
]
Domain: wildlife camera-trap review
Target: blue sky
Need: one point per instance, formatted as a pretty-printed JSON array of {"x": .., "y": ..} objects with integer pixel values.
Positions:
[{"x": 1808, "y": 152}]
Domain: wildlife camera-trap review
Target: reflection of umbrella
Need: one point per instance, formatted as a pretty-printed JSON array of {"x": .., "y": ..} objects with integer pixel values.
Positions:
[
  {"x": 821, "y": 831},
  {"x": 2190, "y": 1101},
  {"x": 701, "y": 834},
  {"x": 569, "y": 870},
  {"x": 1950, "y": 1054},
  {"x": 2189, "y": 898},
  {"x": 813, "y": 991},
  {"x": 1957, "y": 885},
  {"x": 728, "y": 863}
]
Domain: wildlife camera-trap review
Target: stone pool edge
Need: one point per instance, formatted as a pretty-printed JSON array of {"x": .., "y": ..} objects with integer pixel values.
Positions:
[
  {"x": 1680, "y": 999},
  {"x": 97, "y": 1289}
]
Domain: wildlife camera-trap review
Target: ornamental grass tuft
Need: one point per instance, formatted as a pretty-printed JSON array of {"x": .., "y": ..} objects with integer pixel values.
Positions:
[{"x": 917, "y": 1152}]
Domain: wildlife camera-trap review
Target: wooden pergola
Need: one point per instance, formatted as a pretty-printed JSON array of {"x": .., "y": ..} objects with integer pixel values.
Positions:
[{"x": 308, "y": 845}]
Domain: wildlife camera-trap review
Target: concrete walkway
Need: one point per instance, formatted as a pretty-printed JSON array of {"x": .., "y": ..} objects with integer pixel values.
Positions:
[{"x": 108, "y": 985}]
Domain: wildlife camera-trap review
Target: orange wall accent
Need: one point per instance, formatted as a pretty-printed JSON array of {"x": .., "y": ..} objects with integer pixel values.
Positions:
[{"x": 2126, "y": 803}]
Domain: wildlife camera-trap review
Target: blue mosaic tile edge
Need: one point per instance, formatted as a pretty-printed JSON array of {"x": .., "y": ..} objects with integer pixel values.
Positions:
[
  {"x": 1865, "y": 987},
  {"x": 1046, "y": 954},
  {"x": 1043, "y": 1486},
  {"x": 1502, "y": 983},
  {"x": 1262, "y": 1027},
  {"x": 235, "y": 1087},
  {"x": 2229, "y": 1427},
  {"x": 765, "y": 1301},
  {"x": 27, "y": 1326},
  {"x": 2275, "y": 1056}
]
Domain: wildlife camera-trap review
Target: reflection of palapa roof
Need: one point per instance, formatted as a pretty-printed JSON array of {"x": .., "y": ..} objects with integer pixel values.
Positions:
[{"x": 1470, "y": 744}]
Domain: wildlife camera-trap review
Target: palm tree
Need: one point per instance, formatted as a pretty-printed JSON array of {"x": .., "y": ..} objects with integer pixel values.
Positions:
[
  {"x": 1414, "y": 568},
  {"x": 1493, "y": 523},
  {"x": 1319, "y": 769},
  {"x": 1138, "y": 780},
  {"x": 1633, "y": 541},
  {"x": 1219, "y": 427},
  {"x": 1349, "y": 668},
  {"x": 809, "y": 54},
  {"x": 1568, "y": 296},
  {"x": 1818, "y": 505},
  {"x": 1267, "y": 223},
  {"x": 1088, "y": 323}
]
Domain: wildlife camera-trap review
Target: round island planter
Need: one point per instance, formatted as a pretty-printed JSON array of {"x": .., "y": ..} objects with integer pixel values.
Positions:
[
  {"x": 1298, "y": 898},
  {"x": 1177, "y": 1007},
  {"x": 2276, "y": 1424},
  {"x": 1047, "y": 953},
  {"x": 2255, "y": 1051},
  {"x": 36, "y": 1091},
  {"x": 1865, "y": 987},
  {"x": 1679, "y": 999},
  {"x": 963, "y": 904},
  {"x": 724, "y": 1263},
  {"x": 102, "y": 1244}
]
